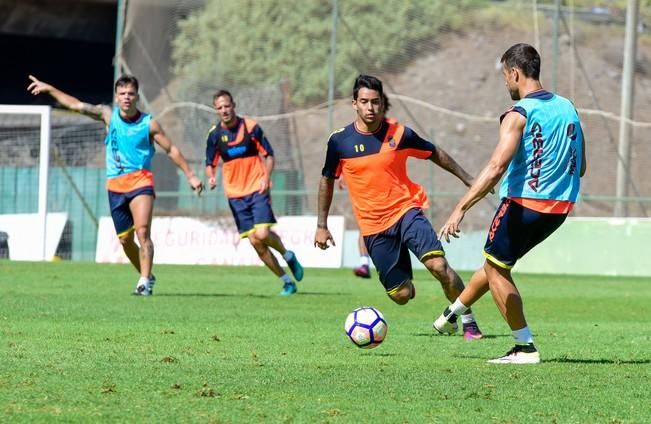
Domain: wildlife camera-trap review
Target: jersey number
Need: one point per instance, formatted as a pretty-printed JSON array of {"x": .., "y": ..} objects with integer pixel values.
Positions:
[{"x": 359, "y": 148}]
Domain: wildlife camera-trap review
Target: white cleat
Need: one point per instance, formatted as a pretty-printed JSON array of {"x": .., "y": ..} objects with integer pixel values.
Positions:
[
  {"x": 519, "y": 355},
  {"x": 443, "y": 326},
  {"x": 145, "y": 288}
]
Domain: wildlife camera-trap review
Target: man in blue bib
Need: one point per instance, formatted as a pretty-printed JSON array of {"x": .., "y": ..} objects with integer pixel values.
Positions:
[
  {"x": 542, "y": 151},
  {"x": 129, "y": 180}
]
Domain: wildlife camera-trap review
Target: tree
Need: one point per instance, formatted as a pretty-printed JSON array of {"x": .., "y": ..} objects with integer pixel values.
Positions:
[{"x": 254, "y": 42}]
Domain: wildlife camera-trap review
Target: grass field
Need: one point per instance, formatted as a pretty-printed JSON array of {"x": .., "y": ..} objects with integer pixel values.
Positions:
[{"x": 217, "y": 344}]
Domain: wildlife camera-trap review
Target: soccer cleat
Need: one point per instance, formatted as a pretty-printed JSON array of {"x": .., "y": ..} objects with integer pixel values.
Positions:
[
  {"x": 519, "y": 355},
  {"x": 288, "y": 289},
  {"x": 150, "y": 284},
  {"x": 141, "y": 290},
  {"x": 362, "y": 271},
  {"x": 145, "y": 289},
  {"x": 295, "y": 267},
  {"x": 444, "y": 326},
  {"x": 471, "y": 331}
]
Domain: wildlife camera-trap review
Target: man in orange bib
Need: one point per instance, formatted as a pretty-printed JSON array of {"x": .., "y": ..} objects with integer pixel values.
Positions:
[{"x": 371, "y": 154}]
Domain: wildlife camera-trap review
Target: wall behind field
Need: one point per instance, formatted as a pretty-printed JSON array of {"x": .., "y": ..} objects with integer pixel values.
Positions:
[{"x": 582, "y": 246}]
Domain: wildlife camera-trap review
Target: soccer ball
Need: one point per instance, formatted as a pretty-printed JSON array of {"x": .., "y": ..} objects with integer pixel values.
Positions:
[{"x": 366, "y": 327}]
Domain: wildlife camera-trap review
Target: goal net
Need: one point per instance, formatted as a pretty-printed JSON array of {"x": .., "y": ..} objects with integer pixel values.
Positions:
[{"x": 51, "y": 183}]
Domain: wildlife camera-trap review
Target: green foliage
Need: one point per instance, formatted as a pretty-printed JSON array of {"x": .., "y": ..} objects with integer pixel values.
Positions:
[
  {"x": 239, "y": 43},
  {"x": 217, "y": 344}
]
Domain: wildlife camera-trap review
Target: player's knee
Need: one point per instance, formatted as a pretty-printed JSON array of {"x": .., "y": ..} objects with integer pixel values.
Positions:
[
  {"x": 262, "y": 232},
  {"x": 438, "y": 267},
  {"x": 404, "y": 294},
  {"x": 255, "y": 241},
  {"x": 143, "y": 234}
]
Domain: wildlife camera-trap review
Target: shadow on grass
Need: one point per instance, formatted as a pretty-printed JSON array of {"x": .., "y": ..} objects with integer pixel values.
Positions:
[
  {"x": 260, "y": 296},
  {"x": 563, "y": 360},
  {"x": 435, "y": 334}
]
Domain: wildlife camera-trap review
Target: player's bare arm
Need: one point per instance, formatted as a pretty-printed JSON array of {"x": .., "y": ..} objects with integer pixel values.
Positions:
[
  {"x": 156, "y": 132},
  {"x": 510, "y": 134},
  {"x": 99, "y": 112},
  {"x": 445, "y": 161},
  {"x": 323, "y": 239},
  {"x": 265, "y": 183},
  {"x": 212, "y": 177}
]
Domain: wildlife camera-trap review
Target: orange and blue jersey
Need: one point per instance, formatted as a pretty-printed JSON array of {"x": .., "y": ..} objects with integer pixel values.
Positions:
[
  {"x": 240, "y": 149},
  {"x": 374, "y": 166},
  {"x": 129, "y": 151},
  {"x": 544, "y": 172}
]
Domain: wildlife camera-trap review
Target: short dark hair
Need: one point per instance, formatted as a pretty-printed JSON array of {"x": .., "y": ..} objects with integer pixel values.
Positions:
[
  {"x": 220, "y": 93},
  {"x": 372, "y": 83},
  {"x": 127, "y": 80},
  {"x": 524, "y": 57}
]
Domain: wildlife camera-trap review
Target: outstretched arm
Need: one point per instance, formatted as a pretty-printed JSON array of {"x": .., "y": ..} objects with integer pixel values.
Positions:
[
  {"x": 510, "y": 135},
  {"x": 175, "y": 155},
  {"x": 445, "y": 161},
  {"x": 99, "y": 112},
  {"x": 323, "y": 236}
]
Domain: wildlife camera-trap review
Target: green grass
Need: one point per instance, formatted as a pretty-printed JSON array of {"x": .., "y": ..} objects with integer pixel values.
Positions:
[{"x": 217, "y": 344}]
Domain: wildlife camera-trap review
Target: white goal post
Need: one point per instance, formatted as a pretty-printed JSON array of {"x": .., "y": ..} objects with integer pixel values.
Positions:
[{"x": 44, "y": 160}]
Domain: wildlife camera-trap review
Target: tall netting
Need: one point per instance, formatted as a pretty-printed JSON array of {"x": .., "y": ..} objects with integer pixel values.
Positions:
[{"x": 440, "y": 64}]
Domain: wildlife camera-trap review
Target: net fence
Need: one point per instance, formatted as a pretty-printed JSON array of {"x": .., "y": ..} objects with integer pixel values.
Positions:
[{"x": 439, "y": 61}]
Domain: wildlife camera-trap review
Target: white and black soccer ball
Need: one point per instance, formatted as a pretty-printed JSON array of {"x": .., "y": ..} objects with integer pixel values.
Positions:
[{"x": 366, "y": 327}]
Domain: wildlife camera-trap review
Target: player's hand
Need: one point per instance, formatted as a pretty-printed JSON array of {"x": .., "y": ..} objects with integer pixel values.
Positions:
[
  {"x": 37, "y": 87},
  {"x": 196, "y": 185},
  {"x": 265, "y": 184},
  {"x": 323, "y": 239},
  {"x": 212, "y": 182},
  {"x": 341, "y": 184},
  {"x": 451, "y": 227}
]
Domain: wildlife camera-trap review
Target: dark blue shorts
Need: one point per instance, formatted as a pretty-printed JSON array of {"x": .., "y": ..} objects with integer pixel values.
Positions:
[
  {"x": 120, "y": 212},
  {"x": 515, "y": 230},
  {"x": 252, "y": 211},
  {"x": 390, "y": 248}
]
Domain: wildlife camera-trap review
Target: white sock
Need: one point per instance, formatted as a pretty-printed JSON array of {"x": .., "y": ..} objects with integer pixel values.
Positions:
[
  {"x": 458, "y": 308},
  {"x": 364, "y": 261},
  {"x": 286, "y": 279},
  {"x": 142, "y": 281},
  {"x": 467, "y": 318},
  {"x": 522, "y": 336},
  {"x": 288, "y": 255}
]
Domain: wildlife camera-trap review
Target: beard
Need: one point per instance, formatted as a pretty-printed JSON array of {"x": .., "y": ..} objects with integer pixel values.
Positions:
[{"x": 515, "y": 94}]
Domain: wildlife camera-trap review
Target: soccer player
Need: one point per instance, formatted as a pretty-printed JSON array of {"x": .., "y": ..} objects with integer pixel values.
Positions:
[
  {"x": 130, "y": 181},
  {"x": 248, "y": 164},
  {"x": 542, "y": 151},
  {"x": 371, "y": 154}
]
